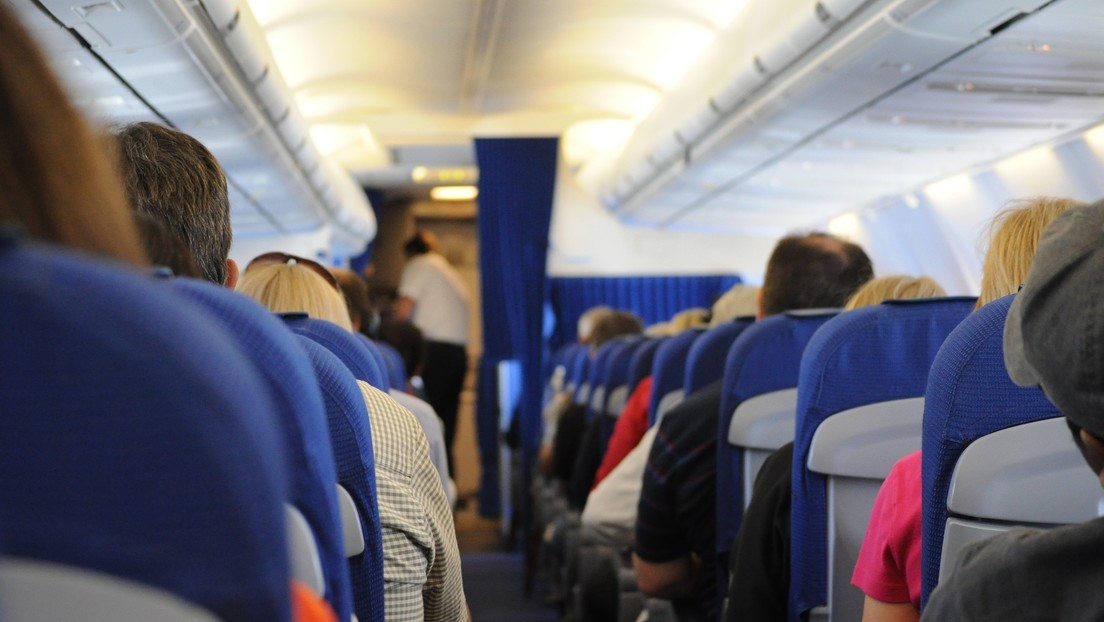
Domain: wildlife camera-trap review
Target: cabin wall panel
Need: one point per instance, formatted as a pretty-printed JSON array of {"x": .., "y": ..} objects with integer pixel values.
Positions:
[{"x": 587, "y": 240}]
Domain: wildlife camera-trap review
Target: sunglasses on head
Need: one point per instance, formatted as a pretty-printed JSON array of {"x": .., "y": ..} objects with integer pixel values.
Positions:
[{"x": 284, "y": 258}]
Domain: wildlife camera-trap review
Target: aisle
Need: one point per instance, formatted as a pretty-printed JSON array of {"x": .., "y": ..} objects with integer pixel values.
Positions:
[{"x": 493, "y": 576}]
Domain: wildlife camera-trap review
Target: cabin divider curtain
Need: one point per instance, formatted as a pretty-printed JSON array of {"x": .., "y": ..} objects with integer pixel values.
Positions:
[
  {"x": 517, "y": 179},
  {"x": 653, "y": 298}
]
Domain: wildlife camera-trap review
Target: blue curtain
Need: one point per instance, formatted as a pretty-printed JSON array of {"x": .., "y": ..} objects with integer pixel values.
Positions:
[
  {"x": 653, "y": 298},
  {"x": 517, "y": 177}
]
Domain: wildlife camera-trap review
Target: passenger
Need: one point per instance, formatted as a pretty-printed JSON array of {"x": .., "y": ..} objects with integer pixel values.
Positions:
[
  {"x": 562, "y": 399},
  {"x": 177, "y": 181},
  {"x": 57, "y": 181},
  {"x": 421, "y": 560},
  {"x": 165, "y": 250},
  {"x": 587, "y": 449},
  {"x": 738, "y": 301},
  {"x": 290, "y": 287},
  {"x": 760, "y": 556},
  {"x": 60, "y": 185},
  {"x": 632, "y": 423},
  {"x": 362, "y": 313},
  {"x": 407, "y": 339},
  {"x": 587, "y": 321},
  {"x": 673, "y": 550},
  {"x": 1052, "y": 338},
  {"x": 896, "y": 287},
  {"x": 888, "y": 567},
  {"x": 432, "y": 296}
]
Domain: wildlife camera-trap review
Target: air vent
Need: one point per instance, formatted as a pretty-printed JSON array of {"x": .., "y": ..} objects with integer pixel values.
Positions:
[
  {"x": 909, "y": 9},
  {"x": 961, "y": 124},
  {"x": 1016, "y": 90},
  {"x": 1011, "y": 99}
]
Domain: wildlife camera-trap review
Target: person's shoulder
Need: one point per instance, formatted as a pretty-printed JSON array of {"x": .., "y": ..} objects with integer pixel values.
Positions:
[
  {"x": 392, "y": 424},
  {"x": 1055, "y": 569}
]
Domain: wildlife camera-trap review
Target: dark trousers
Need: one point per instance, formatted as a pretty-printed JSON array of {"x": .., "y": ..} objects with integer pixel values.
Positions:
[{"x": 443, "y": 373}]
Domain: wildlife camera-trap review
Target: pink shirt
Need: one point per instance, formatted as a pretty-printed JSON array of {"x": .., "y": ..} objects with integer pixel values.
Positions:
[{"x": 889, "y": 562}]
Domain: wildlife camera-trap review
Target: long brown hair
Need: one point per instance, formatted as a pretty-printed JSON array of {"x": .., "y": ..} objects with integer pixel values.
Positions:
[{"x": 57, "y": 180}]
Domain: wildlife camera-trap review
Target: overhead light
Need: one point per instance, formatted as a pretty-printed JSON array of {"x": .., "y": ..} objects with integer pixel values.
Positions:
[
  {"x": 419, "y": 173},
  {"x": 453, "y": 193}
]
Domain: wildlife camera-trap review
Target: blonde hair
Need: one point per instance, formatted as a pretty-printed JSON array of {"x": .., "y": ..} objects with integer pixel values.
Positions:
[
  {"x": 290, "y": 288},
  {"x": 1013, "y": 237},
  {"x": 689, "y": 318},
  {"x": 896, "y": 287},
  {"x": 741, "y": 300}
]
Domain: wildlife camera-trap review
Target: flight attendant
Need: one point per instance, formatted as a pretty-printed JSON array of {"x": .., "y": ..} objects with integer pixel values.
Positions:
[{"x": 432, "y": 296}]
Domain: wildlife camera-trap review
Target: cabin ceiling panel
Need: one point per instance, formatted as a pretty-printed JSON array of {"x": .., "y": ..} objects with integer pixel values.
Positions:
[
  {"x": 431, "y": 72},
  {"x": 1035, "y": 82}
]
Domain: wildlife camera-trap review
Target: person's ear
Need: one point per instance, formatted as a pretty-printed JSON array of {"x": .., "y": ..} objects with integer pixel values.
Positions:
[{"x": 231, "y": 273}]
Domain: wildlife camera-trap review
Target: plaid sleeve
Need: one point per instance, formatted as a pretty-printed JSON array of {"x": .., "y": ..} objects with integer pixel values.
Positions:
[{"x": 423, "y": 529}]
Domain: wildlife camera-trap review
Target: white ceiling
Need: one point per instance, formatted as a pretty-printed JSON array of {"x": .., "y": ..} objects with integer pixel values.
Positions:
[
  {"x": 390, "y": 85},
  {"x": 405, "y": 78}
]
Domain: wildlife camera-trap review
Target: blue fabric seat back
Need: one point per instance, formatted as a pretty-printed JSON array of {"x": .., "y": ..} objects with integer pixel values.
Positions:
[
  {"x": 640, "y": 366},
  {"x": 396, "y": 368},
  {"x": 969, "y": 395},
  {"x": 597, "y": 375},
  {"x": 706, "y": 359},
  {"x": 764, "y": 358},
  {"x": 578, "y": 373},
  {"x": 869, "y": 355},
  {"x": 382, "y": 364},
  {"x": 617, "y": 375},
  {"x": 302, "y": 419},
  {"x": 621, "y": 361},
  {"x": 351, "y": 436},
  {"x": 343, "y": 344},
  {"x": 137, "y": 439},
  {"x": 668, "y": 368}
]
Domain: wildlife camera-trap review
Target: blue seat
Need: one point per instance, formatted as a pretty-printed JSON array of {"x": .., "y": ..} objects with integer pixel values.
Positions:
[
  {"x": 617, "y": 379},
  {"x": 617, "y": 387},
  {"x": 598, "y": 377},
  {"x": 556, "y": 370},
  {"x": 137, "y": 438},
  {"x": 762, "y": 361},
  {"x": 396, "y": 368},
  {"x": 351, "y": 435},
  {"x": 969, "y": 395},
  {"x": 299, "y": 411},
  {"x": 343, "y": 344},
  {"x": 706, "y": 359},
  {"x": 668, "y": 369},
  {"x": 640, "y": 365},
  {"x": 382, "y": 363},
  {"x": 866, "y": 356},
  {"x": 578, "y": 369}
]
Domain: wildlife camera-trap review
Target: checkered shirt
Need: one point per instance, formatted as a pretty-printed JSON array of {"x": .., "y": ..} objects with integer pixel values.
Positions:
[{"x": 421, "y": 563}]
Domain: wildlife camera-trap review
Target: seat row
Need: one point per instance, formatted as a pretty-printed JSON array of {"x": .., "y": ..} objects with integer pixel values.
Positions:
[
  {"x": 855, "y": 392},
  {"x": 176, "y": 435}
]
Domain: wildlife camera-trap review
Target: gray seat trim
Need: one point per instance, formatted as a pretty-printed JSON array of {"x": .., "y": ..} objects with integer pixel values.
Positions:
[
  {"x": 34, "y": 591},
  {"x": 351, "y": 526}
]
